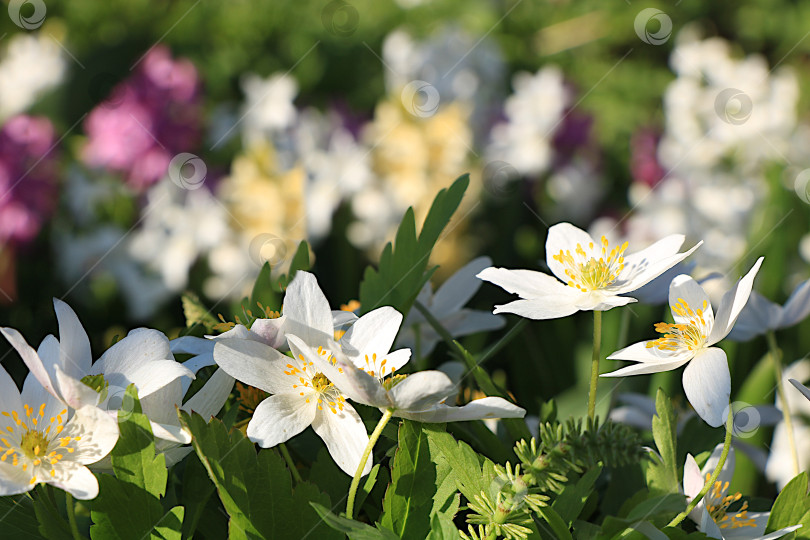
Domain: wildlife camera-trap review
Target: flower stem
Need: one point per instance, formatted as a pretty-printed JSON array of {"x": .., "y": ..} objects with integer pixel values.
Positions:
[
  {"x": 780, "y": 388},
  {"x": 597, "y": 343},
  {"x": 372, "y": 440},
  {"x": 723, "y": 455},
  {"x": 71, "y": 514},
  {"x": 290, "y": 463}
]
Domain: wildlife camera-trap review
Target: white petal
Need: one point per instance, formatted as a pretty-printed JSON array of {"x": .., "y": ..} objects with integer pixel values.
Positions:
[
  {"x": 253, "y": 363},
  {"x": 397, "y": 359},
  {"x": 707, "y": 383},
  {"x": 35, "y": 395},
  {"x": 656, "y": 291},
  {"x": 14, "y": 480},
  {"x": 280, "y": 417},
  {"x": 208, "y": 401},
  {"x": 731, "y": 305},
  {"x": 30, "y": 357},
  {"x": 640, "y": 352},
  {"x": 685, "y": 288},
  {"x": 307, "y": 311},
  {"x": 727, "y": 472},
  {"x": 98, "y": 432},
  {"x": 631, "y": 416},
  {"x": 692, "y": 477},
  {"x": 646, "y": 368},
  {"x": 757, "y": 317},
  {"x": 564, "y": 237},
  {"x": 74, "y": 392},
  {"x": 74, "y": 345},
  {"x": 801, "y": 388},
  {"x": 422, "y": 390},
  {"x": 161, "y": 406},
  {"x": 74, "y": 478},
  {"x": 480, "y": 409},
  {"x": 171, "y": 432},
  {"x": 152, "y": 376},
  {"x": 345, "y": 437},
  {"x": 599, "y": 301},
  {"x": 797, "y": 306},
  {"x": 526, "y": 283},
  {"x": 139, "y": 347},
  {"x": 270, "y": 331},
  {"x": 459, "y": 288},
  {"x": 374, "y": 332},
  {"x": 643, "y": 266},
  {"x": 761, "y": 519},
  {"x": 191, "y": 345},
  {"x": 548, "y": 307},
  {"x": 48, "y": 352}
]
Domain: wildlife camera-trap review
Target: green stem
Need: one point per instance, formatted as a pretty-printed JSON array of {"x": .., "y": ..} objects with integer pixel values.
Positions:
[
  {"x": 723, "y": 455},
  {"x": 71, "y": 514},
  {"x": 290, "y": 463},
  {"x": 780, "y": 388},
  {"x": 597, "y": 343},
  {"x": 624, "y": 328},
  {"x": 372, "y": 440}
]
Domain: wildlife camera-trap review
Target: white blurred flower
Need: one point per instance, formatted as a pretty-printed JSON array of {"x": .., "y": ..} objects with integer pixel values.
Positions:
[
  {"x": 268, "y": 105},
  {"x": 779, "y": 468},
  {"x": 760, "y": 315},
  {"x": 31, "y": 64}
]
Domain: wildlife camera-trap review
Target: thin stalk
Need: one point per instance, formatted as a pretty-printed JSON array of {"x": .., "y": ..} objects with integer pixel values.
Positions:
[
  {"x": 723, "y": 455},
  {"x": 372, "y": 440},
  {"x": 780, "y": 389},
  {"x": 597, "y": 344},
  {"x": 71, "y": 514},
  {"x": 624, "y": 329},
  {"x": 290, "y": 463}
]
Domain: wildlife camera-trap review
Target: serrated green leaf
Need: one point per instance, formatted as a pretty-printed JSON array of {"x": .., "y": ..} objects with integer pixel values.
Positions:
[
  {"x": 256, "y": 489},
  {"x": 134, "y": 459},
  {"x": 792, "y": 507},
  {"x": 125, "y": 511},
  {"x": 355, "y": 530},
  {"x": 403, "y": 266},
  {"x": 570, "y": 502},
  {"x": 462, "y": 459},
  {"x": 19, "y": 517},
  {"x": 52, "y": 525},
  {"x": 662, "y": 476},
  {"x": 443, "y": 528},
  {"x": 413, "y": 484}
]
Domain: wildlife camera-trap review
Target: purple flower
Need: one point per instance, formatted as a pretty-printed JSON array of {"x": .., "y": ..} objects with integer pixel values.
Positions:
[
  {"x": 27, "y": 177},
  {"x": 644, "y": 163},
  {"x": 148, "y": 119}
]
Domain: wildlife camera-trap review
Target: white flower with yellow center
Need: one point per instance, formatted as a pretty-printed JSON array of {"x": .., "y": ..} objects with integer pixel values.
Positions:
[
  {"x": 301, "y": 394},
  {"x": 44, "y": 441},
  {"x": 706, "y": 379},
  {"x": 594, "y": 275},
  {"x": 713, "y": 514}
]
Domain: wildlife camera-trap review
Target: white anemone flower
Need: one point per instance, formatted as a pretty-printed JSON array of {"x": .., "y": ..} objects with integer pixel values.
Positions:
[
  {"x": 712, "y": 513},
  {"x": 760, "y": 315},
  {"x": 590, "y": 275},
  {"x": 706, "y": 379},
  {"x": 301, "y": 395},
  {"x": 42, "y": 440},
  {"x": 418, "y": 396},
  {"x": 142, "y": 358},
  {"x": 447, "y": 306}
]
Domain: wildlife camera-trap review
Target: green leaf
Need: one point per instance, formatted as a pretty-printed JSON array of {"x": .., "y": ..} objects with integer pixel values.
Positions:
[
  {"x": 462, "y": 459},
  {"x": 671, "y": 503},
  {"x": 19, "y": 517},
  {"x": 792, "y": 507},
  {"x": 570, "y": 502},
  {"x": 403, "y": 266},
  {"x": 662, "y": 476},
  {"x": 413, "y": 484},
  {"x": 556, "y": 523},
  {"x": 355, "y": 530},
  {"x": 256, "y": 489},
  {"x": 197, "y": 491},
  {"x": 265, "y": 292},
  {"x": 443, "y": 528},
  {"x": 134, "y": 459},
  {"x": 52, "y": 524},
  {"x": 124, "y": 511}
]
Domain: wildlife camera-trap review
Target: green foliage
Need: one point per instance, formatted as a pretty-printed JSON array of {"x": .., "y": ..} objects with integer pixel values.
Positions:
[
  {"x": 256, "y": 489},
  {"x": 129, "y": 504},
  {"x": 355, "y": 530},
  {"x": 21, "y": 518},
  {"x": 403, "y": 267},
  {"x": 792, "y": 507},
  {"x": 195, "y": 312},
  {"x": 662, "y": 474}
]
